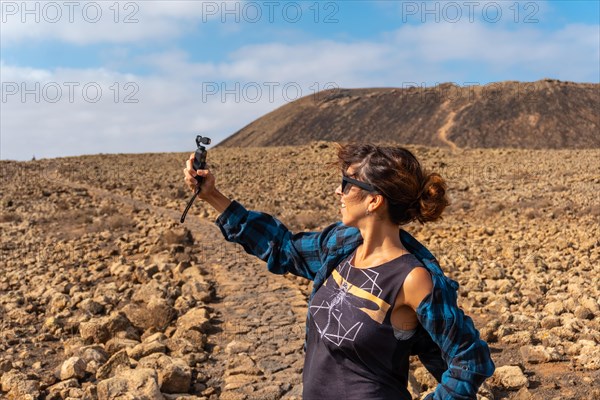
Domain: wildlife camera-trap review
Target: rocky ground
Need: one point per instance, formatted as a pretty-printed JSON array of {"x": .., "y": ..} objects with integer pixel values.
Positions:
[{"x": 103, "y": 294}]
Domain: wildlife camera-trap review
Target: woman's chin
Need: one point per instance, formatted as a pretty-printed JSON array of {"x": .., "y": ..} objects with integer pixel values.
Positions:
[{"x": 345, "y": 220}]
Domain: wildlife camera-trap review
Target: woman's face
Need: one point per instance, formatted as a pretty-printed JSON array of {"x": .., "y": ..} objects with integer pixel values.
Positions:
[{"x": 353, "y": 209}]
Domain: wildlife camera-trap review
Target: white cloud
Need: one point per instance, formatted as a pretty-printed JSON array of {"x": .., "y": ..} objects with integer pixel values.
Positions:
[
  {"x": 87, "y": 22},
  {"x": 62, "y": 112},
  {"x": 571, "y": 51},
  {"x": 323, "y": 60}
]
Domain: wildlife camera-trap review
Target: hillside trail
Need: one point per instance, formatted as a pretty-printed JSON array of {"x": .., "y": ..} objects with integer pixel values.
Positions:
[
  {"x": 448, "y": 124},
  {"x": 255, "y": 348}
]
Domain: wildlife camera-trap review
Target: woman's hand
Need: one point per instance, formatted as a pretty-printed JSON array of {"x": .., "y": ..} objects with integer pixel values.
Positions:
[
  {"x": 208, "y": 190},
  {"x": 208, "y": 183}
]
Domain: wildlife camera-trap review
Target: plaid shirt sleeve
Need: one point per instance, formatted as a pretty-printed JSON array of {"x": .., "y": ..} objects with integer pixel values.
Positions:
[
  {"x": 265, "y": 237},
  {"x": 467, "y": 356}
]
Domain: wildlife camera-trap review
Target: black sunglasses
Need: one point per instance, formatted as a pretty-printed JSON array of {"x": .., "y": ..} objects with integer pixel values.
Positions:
[{"x": 363, "y": 185}]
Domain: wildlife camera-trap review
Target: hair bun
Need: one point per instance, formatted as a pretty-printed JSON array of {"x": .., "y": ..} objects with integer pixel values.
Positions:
[{"x": 432, "y": 198}]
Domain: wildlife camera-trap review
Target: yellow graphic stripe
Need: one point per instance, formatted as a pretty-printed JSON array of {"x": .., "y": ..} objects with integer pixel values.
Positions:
[{"x": 376, "y": 315}]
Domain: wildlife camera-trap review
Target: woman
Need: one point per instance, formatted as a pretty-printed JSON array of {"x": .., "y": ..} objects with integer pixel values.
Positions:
[{"x": 378, "y": 296}]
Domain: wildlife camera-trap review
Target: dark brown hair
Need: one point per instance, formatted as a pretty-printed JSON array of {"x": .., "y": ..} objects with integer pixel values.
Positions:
[{"x": 412, "y": 193}]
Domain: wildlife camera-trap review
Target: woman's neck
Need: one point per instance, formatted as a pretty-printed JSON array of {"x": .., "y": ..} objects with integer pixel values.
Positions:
[{"x": 381, "y": 243}]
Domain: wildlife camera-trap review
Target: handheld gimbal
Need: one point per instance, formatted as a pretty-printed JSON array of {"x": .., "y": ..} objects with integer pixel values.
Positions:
[{"x": 199, "y": 163}]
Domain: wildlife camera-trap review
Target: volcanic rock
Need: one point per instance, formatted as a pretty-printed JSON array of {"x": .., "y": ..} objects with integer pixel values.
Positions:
[
  {"x": 510, "y": 377},
  {"x": 137, "y": 383}
]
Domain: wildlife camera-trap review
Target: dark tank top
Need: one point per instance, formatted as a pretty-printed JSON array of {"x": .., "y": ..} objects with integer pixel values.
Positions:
[{"x": 351, "y": 350}]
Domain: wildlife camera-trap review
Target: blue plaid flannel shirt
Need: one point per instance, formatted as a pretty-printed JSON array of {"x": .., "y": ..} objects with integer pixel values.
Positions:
[{"x": 460, "y": 360}]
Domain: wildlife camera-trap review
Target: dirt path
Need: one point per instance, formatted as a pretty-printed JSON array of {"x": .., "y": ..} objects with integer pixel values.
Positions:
[
  {"x": 255, "y": 348},
  {"x": 443, "y": 131}
]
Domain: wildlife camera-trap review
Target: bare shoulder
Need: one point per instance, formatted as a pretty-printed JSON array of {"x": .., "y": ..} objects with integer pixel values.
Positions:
[{"x": 417, "y": 286}]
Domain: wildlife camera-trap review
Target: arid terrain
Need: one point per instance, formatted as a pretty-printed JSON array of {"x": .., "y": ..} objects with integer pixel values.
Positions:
[{"x": 104, "y": 294}]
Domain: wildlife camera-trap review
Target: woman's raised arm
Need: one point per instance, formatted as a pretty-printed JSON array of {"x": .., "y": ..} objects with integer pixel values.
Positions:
[{"x": 263, "y": 235}]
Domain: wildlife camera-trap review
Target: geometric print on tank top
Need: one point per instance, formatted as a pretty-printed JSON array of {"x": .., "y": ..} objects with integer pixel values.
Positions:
[{"x": 360, "y": 295}]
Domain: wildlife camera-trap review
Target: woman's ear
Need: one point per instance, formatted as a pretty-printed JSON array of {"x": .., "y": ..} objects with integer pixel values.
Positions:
[{"x": 377, "y": 201}]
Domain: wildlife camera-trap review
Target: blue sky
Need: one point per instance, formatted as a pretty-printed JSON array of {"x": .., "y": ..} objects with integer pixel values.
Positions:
[{"x": 147, "y": 76}]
